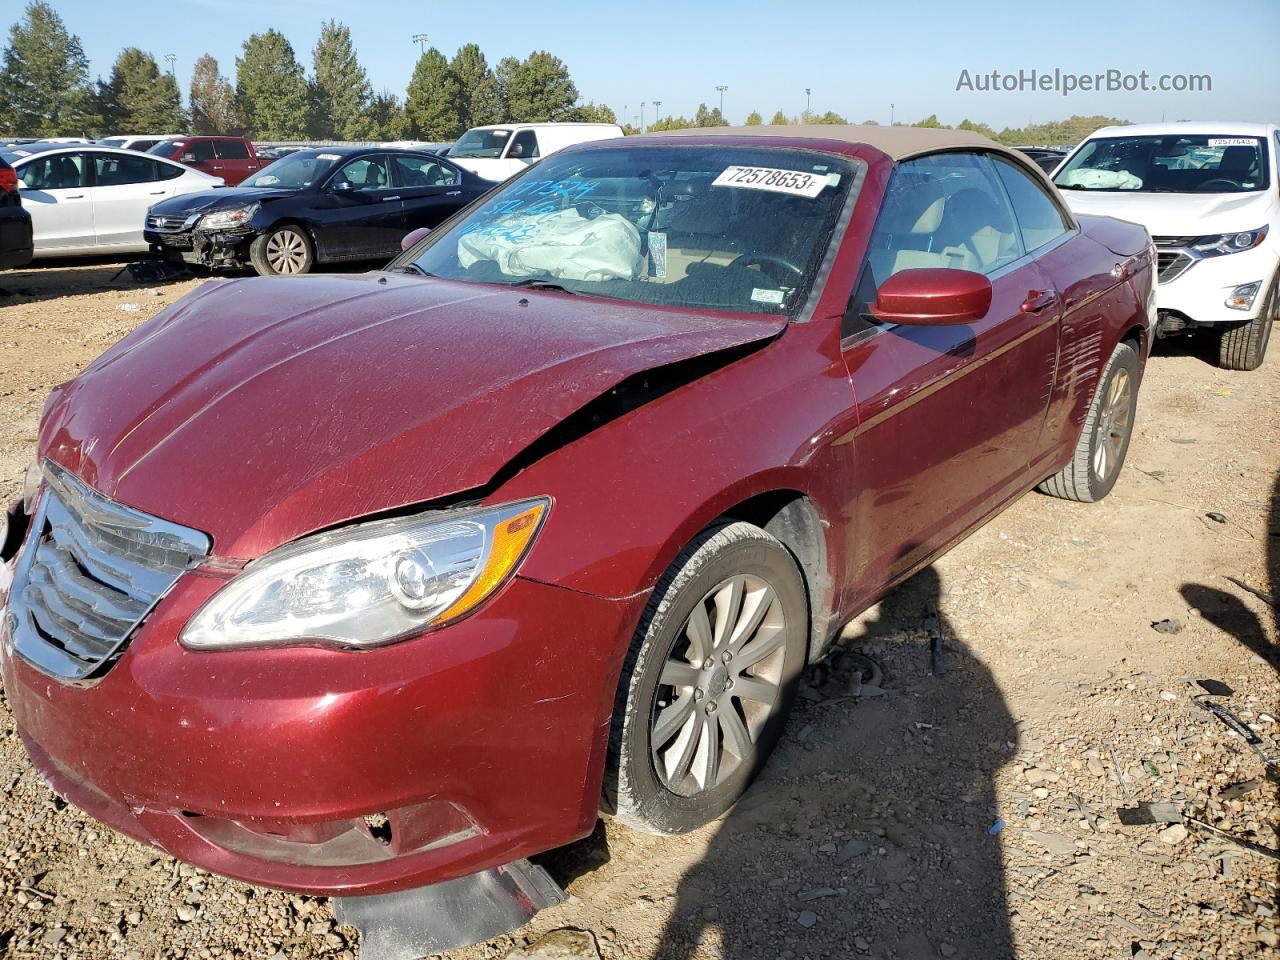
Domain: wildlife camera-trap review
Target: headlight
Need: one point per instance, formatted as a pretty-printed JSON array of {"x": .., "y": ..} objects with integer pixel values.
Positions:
[
  {"x": 226, "y": 219},
  {"x": 369, "y": 584},
  {"x": 1218, "y": 244},
  {"x": 31, "y": 481}
]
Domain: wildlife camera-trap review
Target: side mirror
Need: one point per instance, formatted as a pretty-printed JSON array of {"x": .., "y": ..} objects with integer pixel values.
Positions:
[
  {"x": 933, "y": 296},
  {"x": 189, "y": 158},
  {"x": 342, "y": 186},
  {"x": 413, "y": 236}
]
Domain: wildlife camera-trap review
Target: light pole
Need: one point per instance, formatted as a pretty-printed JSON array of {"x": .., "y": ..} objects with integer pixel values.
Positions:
[
  {"x": 657, "y": 105},
  {"x": 722, "y": 90},
  {"x": 807, "y": 91},
  {"x": 421, "y": 40},
  {"x": 171, "y": 59},
  {"x": 642, "y": 116},
  {"x": 891, "y": 114}
]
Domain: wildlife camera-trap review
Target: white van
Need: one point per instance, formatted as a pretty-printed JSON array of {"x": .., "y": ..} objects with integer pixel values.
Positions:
[
  {"x": 1209, "y": 195},
  {"x": 504, "y": 149}
]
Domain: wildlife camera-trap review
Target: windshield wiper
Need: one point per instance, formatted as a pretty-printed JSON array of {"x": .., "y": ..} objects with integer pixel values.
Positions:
[
  {"x": 535, "y": 283},
  {"x": 410, "y": 268}
]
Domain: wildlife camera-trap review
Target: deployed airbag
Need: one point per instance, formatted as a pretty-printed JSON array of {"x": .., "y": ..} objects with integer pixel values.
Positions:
[{"x": 563, "y": 244}]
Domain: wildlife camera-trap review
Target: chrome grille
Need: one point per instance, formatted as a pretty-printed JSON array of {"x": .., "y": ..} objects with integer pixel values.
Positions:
[
  {"x": 1172, "y": 264},
  {"x": 90, "y": 571},
  {"x": 163, "y": 224}
]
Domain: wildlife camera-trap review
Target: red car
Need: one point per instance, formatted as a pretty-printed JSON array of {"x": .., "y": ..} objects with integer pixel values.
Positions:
[
  {"x": 231, "y": 158},
  {"x": 351, "y": 584}
]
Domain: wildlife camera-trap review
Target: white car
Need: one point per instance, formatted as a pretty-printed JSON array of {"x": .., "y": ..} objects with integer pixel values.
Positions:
[
  {"x": 140, "y": 143},
  {"x": 1209, "y": 195},
  {"x": 502, "y": 150},
  {"x": 89, "y": 200}
]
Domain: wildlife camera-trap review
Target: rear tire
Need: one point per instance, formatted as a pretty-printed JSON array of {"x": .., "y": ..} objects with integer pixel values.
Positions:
[
  {"x": 707, "y": 685},
  {"x": 1244, "y": 345},
  {"x": 283, "y": 252},
  {"x": 1104, "y": 438}
]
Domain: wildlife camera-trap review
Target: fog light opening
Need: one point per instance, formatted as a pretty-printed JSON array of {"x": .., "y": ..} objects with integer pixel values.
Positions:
[
  {"x": 379, "y": 828},
  {"x": 1242, "y": 297}
]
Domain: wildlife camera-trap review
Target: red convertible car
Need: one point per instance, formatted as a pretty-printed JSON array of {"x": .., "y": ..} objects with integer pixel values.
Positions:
[{"x": 353, "y": 584}]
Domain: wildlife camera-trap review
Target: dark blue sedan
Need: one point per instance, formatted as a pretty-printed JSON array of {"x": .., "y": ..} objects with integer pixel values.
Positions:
[{"x": 323, "y": 205}]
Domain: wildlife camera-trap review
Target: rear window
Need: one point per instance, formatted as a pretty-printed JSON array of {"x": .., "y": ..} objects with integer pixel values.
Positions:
[
  {"x": 167, "y": 148},
  {"x": 231, "y": 150}
]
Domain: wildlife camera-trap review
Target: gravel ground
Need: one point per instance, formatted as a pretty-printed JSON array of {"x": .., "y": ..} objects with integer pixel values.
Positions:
[{"x": 970, "y": 814}]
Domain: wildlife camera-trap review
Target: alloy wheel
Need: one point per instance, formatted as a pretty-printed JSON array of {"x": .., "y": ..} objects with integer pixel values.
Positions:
[
  {"x": 286, "y": 252},
  {"x": 1113, "y": 424},
  {"x": 720, "y": 683}
]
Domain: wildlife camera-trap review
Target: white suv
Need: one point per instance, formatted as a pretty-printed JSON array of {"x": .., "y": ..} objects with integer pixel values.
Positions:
[{"x": 1209, "y": 195}]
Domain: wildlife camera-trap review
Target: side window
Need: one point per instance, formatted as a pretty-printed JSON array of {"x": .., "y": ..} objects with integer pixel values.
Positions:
[
  {"x": 367, "y": 173},
  {"x": 231, "y": 150},
  {"x": 945, "y": 210},
  {"x": 58, "y": 172},
  {"x": 424, "y": 172},
  {"x": 1038, "y": 216},
  {"x": 114, "y": 170},
  {"x": 524, "y": 146},
  {"x": 199, "y": 152},
  {"x": 168, "y": 171}
]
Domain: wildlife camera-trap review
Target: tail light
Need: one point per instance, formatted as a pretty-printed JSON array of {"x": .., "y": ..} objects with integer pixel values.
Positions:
[{"x": 8, "y": 180}]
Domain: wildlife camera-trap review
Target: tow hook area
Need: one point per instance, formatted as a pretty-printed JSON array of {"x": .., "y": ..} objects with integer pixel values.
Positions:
[{"x": 413, "y": 924}]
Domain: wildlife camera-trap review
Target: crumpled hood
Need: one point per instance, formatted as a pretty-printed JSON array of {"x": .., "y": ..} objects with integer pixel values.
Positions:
[
  {"x": 223, "y": 198},
  {"x": 1175, "y": 214},
  {"x": 262, "y": 409}
]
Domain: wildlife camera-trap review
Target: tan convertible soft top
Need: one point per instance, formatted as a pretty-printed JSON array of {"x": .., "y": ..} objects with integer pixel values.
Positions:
[{"x": 898, "y": 142}]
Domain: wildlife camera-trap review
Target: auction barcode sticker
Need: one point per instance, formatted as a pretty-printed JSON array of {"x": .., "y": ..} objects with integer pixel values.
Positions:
[
  {"x": 794, "y": 182},
  {"x": 1233, "y": 142}
]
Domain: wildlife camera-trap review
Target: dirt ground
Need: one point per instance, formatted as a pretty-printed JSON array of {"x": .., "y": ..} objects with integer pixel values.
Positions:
[{"x": 967, "y": 814}]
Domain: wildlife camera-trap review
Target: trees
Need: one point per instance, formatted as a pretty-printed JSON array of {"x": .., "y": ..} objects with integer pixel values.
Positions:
[
  {"x": 340, "y": 90},
  {"x": 1069, "y": 131},
  {"x": 46, "y": 90},
  {"x": 779, "y": 120},
  {"x": 594, "y": 113},
  {"x": 931, "y": 122},
  {"x": 709, "y": 118},
  {"x": 138, "y": 98},
  {"x": 537, "y": 89},
  {"x": 982, "y": 128},
  {"x": 670, "y": 123},
  {"x": 213, "y": 102},
  {"x": 271, "y": 88},
  {"x": 754, "y": 119},
  {"x": 481, "y": 98},
  {"x": 387, "y": 118},
  {"x": 432, "y": 106}
]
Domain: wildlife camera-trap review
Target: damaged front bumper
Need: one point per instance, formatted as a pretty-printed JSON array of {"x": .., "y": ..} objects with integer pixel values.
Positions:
[
  {"x": 206, "y": 248},
  {"x": 334, "y": 772}
]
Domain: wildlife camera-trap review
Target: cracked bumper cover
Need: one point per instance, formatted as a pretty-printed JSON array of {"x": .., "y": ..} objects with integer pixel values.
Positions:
[
  {"x": 209, "y": 248},
  {"x": 463, "y": 749}
]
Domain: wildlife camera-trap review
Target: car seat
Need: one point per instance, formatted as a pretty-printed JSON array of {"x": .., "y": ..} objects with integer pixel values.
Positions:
[{"x": 975, "y": 233}]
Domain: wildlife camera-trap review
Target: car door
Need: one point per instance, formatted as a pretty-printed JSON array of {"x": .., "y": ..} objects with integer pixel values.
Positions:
[
  {"x": 364, "y": 215},
  {"x": 948, "y": 415},
  {"x": 55, "y": 191},
  {"x": 124, "y": 188},
  {"x": 430, "y": 189},
  {"x": 233, "y": 162},
  {"x": 199, "y": 155}
]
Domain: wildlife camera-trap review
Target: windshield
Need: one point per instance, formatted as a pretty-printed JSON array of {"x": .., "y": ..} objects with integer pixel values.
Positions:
[
  {"x": 481, "y": 143},
  {"x": 741, "y": 229},
  {"x": 297, "y": 171},
  {"x": 113, "y": 142},
  {"x": 1168, "y": 164},
  {"x": 167, "y": 148}
]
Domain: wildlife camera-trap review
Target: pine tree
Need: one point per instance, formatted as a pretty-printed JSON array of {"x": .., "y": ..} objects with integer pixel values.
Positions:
[
  {"x": 779, "y": 120},
  {"x": 481, "y": 102},
  {"x": 387, "y": 118},
  {"x": 341, "y": 93},
  {"x": 433, "y": 95},
  {"x": 45, "y": 91},
  {"x": 138, "y": 98},
  {"x": 709, "y": 118},
  {"x": 213, "y": 102},
  {"x": 271, "y": 88},
  {"x": 754, "y": 119}
]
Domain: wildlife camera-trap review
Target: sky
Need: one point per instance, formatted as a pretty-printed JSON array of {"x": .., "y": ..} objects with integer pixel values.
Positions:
[{"x": 899, "y": 60}]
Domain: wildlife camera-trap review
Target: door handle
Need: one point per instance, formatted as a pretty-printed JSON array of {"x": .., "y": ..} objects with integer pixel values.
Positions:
[
  {"x": 453, "y": 193},
  {"x": 1038, "y": 300},
  {"x": 215, "y": 168},
  {"x": 74, "y": 196},
  {"x": 388, "y": 199},
  {"x": 157, "y": 193}
]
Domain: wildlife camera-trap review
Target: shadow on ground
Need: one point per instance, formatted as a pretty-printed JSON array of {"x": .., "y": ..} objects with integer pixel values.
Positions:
[{"x": 882, "y": 808}]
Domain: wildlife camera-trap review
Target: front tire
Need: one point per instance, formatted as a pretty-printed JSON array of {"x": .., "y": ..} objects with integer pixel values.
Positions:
[
  {"x": 1244, "y": 345},
  {"x": 283, "y": 252},
  {"x": 1104, "y": 438},
  {"x": 707, "y": 685}
]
